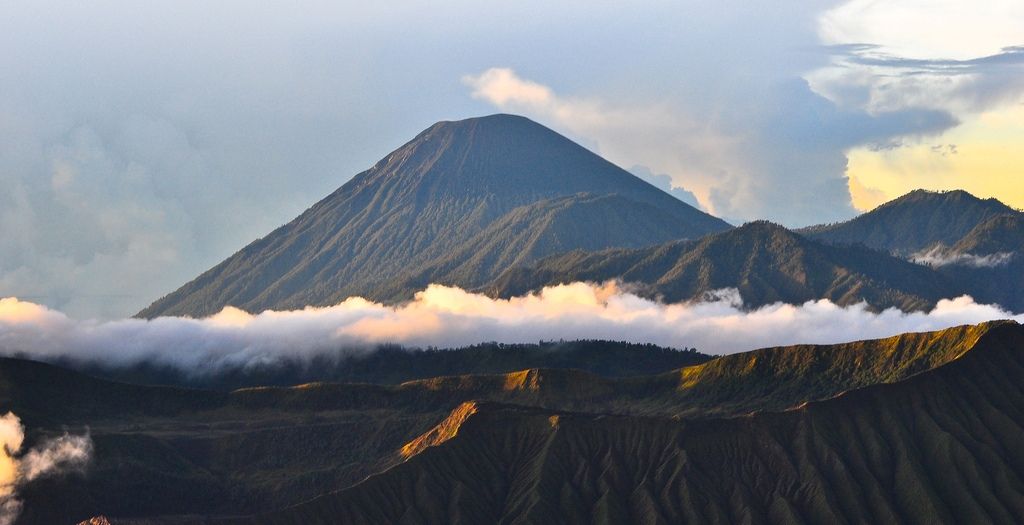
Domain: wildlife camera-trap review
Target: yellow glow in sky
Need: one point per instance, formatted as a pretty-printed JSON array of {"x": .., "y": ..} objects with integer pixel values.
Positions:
[{"x": 988, "y": 161}]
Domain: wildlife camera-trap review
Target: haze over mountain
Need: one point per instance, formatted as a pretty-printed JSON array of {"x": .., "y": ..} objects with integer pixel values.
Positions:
[
  {"x": 765, "y": 262},
  {"x": 458, "y": 204}
]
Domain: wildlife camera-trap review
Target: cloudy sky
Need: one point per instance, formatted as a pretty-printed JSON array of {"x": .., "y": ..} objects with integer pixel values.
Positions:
[{"x": 141, "y": 143}]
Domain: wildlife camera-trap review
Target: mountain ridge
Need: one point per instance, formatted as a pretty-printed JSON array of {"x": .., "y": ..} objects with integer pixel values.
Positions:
[
  {"x": 417, "y": 205},
  {"x": 766, "y": 262},
  {"x": 916, "y": 221},
  {"x": 216, "y": 454},
  {"x": 843, "y": 458}
]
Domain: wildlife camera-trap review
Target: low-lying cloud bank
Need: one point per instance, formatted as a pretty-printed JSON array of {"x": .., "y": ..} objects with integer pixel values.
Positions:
[
  {"x": 940, "y": 257},
  {"x": 450, "y": 317},
  {"x": 17, "y": 467}
]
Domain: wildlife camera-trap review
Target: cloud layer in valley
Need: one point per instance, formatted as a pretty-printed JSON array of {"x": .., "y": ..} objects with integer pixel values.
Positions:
[
  {"x": 17, "y": 467},
  {"x": 450, "y": 317}
]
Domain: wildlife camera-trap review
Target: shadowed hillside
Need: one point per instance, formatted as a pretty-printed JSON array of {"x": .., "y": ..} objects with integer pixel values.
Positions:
[
  {"x": 942, "y": 446},
  {"x": 439, "y": 195},
  {"x": 765, "y": 262},
  {"x": 395, "y": 364},
  {"x": 164, "y": 451},
  {"x": 1000, "y": 234},
  {"x": 988, "y": 262}
]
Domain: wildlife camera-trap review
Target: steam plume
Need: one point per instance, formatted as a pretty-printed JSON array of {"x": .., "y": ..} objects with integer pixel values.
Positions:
[
  {"x": 449, "y": 317},
  {"x": 49, "y": 457}
]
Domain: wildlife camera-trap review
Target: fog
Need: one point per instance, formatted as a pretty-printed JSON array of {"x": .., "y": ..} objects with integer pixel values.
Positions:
[
  {"x": 449, "y": 317},
  {"x": 938, "y": 256},
  {"x": 17, "y": 467}
]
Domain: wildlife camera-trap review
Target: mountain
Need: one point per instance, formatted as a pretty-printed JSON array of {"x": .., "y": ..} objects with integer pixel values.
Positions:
[
  {"x": 988, "y": 262},
  {"x": 765, "y": 262},
  {"x": 914, "y": 222},
  {"x": 457, "y": 203},
  {"x": 449, "y": 448},
  {"x": 973, "y": 243},
  {"x": 999, "y": 234},
  {"x": 942, "y": 446}
]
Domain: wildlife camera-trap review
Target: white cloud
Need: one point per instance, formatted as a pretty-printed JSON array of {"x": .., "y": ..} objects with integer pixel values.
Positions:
[
  {"x": 925, "y": 29},
  {"x": 49, "y": 457},
  {"x": 941, "y": 256},
  {"x": 959, "y": 56},
  {"x": 502, "y": 87},
  {"x": 450, "y": 317},
  {"x": 776, "y": 152},
  {"x": 590, "y": 118},
  {"x": 664, "y": 182}
]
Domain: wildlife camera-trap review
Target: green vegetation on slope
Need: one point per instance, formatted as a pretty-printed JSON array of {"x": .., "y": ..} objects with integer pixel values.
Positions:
[
  {"x": 914, "y": 222},
  {"x": 765, "y": 262},
  {"x": 999, "y": 234}
]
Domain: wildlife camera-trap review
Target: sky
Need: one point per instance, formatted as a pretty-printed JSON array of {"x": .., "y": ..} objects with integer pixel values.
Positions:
[{"x": 142, "y": 143}]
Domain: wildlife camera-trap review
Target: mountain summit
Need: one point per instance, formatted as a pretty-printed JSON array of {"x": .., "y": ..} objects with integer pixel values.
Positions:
[
  {"x": 916, "y": 221},
  {"x": 458, "y": 204}
]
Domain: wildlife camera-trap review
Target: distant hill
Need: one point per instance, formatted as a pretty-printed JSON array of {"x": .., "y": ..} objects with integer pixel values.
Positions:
[
  {"x": 765, "y": 262},
  {"x": 999, "y": 234},
  {"x": 988, "y": 262},
  {"x": 914, "y": 222},
  {"x": 457, "y": 204},
  {"x": 917, "y": 424},
  {"x": 391, "y": 364}
]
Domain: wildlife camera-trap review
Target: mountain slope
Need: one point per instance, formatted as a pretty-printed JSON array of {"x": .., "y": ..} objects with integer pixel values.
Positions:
[
  {"x": 999, "y": 234},
  {"x": 939, "y": 447},
  {"x": 988, "y": 261},
  {"x": 548, "y": 227},
  {"x": 422, "y": 203},
  {"x": 162, "y": 451},
  {"x": 916, "y": 221},
  {"x": 765, "y": 262}
]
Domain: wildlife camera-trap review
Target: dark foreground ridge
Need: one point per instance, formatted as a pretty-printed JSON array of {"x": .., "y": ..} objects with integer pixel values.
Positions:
[
  {"x": 928, "y": 427},
  {"x": 942, "y": 446}
]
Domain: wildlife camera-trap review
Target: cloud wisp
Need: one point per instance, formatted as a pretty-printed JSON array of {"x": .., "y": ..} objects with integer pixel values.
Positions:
[
  {"x": 938, "y": 256},
  {"x": 783, "y": 159},
  {"x": 953, "y": 56},
  {"x": 18, "y": 467},
  {"x": 448, "y": 317}
]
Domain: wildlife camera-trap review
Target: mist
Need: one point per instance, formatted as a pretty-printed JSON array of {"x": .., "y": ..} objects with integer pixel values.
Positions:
[
  {"x": 448, "y": 317},
  {"x": 17, "y": 467},
  {"x": 938, "y": 256}
]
